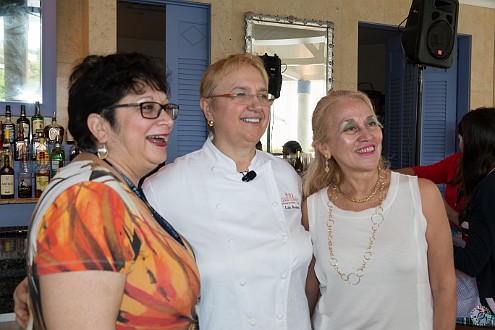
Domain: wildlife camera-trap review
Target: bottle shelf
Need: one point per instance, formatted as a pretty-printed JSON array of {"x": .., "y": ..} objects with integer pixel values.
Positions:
[{"x": 31, "y": 200}]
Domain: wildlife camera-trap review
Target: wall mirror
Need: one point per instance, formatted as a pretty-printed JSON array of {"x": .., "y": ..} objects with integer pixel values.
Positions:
[
  {"x": 305, "y": 49},
  {"x": 20, "y": 43}
]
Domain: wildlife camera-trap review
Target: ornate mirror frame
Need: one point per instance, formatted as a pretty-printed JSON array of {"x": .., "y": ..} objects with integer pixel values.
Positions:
[{"x": 252, "y": 19}]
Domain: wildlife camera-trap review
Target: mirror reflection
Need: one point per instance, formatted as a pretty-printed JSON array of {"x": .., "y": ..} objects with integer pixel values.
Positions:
[
  {"x": 305, "y": 50},
  {"x": 20, "y": 44}
]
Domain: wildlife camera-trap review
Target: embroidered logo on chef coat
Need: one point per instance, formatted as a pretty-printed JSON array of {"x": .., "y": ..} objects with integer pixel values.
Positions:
[{"x": 289, "y": 201}]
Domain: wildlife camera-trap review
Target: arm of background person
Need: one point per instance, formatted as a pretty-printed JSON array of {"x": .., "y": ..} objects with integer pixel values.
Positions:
[
  {"x": 452, "y": 215},
  {"x": 312, "y": 284},
  {"x": 20, "y": 304},
  {"x": 440, "y": 257},
  {"x": 405, "y": 170},
  {"x": 82, "y": 300},
  {"x": 481, "y": 242}
]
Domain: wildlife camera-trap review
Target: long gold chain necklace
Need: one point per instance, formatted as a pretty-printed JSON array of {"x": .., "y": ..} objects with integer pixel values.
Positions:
[
  {"x": 364, "y": 200},
  {"x": 353, "y": 278}
]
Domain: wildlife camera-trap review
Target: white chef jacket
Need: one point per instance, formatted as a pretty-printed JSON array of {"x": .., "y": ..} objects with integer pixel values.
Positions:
[{"x": 251, "y": 249}]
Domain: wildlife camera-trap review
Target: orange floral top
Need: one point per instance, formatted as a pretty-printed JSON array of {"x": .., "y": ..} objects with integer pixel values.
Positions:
[{"x": 87, "y": 219}]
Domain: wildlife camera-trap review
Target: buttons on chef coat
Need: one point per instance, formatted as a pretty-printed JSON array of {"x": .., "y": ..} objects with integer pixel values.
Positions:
[
  {"x": 280, "y": 316},
  {"x": 218, "y": 206},
  {"x": 285, "y": 238},
  {"x": 274, "y": 204},
  {"x": 283, "y": 276},
  {"x": 231, "y": 241},
  {"x": 242, "y": 283},
  {"x": 252, "y": 322}
]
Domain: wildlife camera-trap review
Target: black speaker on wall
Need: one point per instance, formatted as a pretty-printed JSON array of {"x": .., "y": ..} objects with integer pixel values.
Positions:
[
  {"x": 430, "y": 33},
  {"x": 273, "y": 67}
]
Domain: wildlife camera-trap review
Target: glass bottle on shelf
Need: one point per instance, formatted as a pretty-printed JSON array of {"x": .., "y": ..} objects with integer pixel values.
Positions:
[
  {"x": 7, "y": 150},
  {"x": 21, "y": 146},
  {"x": 37, "y": 120},
  {"x": 8, "y": 127},
  {"x": 25, "y": 187},
  {"x": 6, "y": 179},
  {"x": 39, "y": 144},
  {"x": 298, "y": 165},
  {"x": 53, "y": 130},
  {"x": 74, "y": 148},
  {"x": 41, "y": 174},
  {"x": 25, "y": 123},
  {"x": 57, "y": 157}
]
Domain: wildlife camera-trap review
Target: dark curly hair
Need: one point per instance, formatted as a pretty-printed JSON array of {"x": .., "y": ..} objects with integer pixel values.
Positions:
[{"x": 101, "y": 81}]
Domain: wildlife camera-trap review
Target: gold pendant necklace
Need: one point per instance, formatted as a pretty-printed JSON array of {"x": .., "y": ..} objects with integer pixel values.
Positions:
[
  {"x": 353, "y": 278},
  {"x": 364, "y": 200}
]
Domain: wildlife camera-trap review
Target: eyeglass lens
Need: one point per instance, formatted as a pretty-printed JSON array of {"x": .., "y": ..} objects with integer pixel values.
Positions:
[{"x": 151, "y": 110}]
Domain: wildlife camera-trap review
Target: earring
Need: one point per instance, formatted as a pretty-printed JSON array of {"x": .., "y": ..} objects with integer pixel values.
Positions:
[
  {"x": 210, "y": 123},
  {"x": 327, "y": 167},
  {"x": 102, "y": 151}
]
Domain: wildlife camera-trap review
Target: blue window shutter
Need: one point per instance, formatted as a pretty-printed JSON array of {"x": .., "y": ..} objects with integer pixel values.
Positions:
[
  {"x": 400, "y": 105},
  {"x": 439, "y": 113},
  {"x": 439, "y": 110},
  {"x": 187, "y": 56}
]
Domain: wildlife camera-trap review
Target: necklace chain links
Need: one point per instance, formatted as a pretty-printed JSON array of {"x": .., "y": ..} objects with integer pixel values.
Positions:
[
  {"x": 353, "y": 278},
  {"x": 366, "y": 199}
]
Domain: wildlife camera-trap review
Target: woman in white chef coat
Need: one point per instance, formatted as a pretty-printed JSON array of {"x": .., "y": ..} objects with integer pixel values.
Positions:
[{"x": 239, "y": 208}]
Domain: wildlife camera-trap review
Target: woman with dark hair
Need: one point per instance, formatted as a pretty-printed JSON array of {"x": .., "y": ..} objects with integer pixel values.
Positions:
[
  {"x": 99, "y": 256},
  {"x": 477, "y": 258}
]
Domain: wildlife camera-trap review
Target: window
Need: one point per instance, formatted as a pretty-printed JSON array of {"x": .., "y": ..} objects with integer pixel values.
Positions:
[{"x": 27, "y": 55}]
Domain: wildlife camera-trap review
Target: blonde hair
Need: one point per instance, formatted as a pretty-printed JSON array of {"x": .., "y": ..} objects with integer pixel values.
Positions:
[
  {"x": 316, "y": 178},
  {"x": 215, "y": 72}
]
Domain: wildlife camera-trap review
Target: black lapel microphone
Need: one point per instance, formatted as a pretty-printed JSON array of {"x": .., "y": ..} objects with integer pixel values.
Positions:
[{"x": 249, "y": 176}]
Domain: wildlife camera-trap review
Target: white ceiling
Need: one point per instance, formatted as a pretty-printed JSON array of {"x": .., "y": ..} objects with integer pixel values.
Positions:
[{"x": 479, "y": 3}]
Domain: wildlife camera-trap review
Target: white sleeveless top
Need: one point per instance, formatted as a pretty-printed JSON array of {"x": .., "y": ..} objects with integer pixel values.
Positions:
[{"x": 395, "y": 291}]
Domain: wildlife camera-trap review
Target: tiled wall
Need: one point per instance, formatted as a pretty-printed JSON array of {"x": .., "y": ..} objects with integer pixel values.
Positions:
[{"x": 78, "y": 35}]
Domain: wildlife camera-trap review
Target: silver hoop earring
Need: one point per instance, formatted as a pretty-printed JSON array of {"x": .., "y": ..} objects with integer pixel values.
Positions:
[{"x": 102, "y": 151}]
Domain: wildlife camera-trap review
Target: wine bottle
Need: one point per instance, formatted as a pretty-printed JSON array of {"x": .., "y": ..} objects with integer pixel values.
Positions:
[
  {"x": 6, "y": 179},
  {"x": 298, "y": 165}
]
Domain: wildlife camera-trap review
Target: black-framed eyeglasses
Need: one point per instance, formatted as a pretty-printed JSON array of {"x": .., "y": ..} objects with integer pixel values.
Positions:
[
  {"x": 247, "y": 98},
  {"x": 151, "y": 110}
]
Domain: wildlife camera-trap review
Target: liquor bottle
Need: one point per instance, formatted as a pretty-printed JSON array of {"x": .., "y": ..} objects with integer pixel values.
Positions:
[
  {"x": 6, "y": 179},
  {"x": 57, "y": 157},
  {"x": 298, "y": 165},
  {"x": 41, "y": 174},
  {"x": 53, "y": 130},
  {"x": 74, "y": 148},
  {"x": 24, "y": 121},
  {"x": 25, "y": 188},
  {"x": 1, "y": 133},
  {"x": 37, "y": 121},
  {"x": 39, "y": 145},
  {"x": 21, "y": 146},
  {"x": 7, "y": 150},
  {"x": 8, "y": 126}
]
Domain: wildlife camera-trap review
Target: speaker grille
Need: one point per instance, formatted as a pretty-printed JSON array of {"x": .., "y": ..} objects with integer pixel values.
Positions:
[{"x": 440, "y": 40}]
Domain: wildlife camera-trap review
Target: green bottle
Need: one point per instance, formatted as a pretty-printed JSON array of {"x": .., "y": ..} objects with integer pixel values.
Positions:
[
  {"x": 57, "y": 157},
  {"x": 37, "y": 121}
]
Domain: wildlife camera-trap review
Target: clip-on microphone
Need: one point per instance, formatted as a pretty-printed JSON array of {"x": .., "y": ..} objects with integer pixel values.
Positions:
[{"x": 249, "y": 176}]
